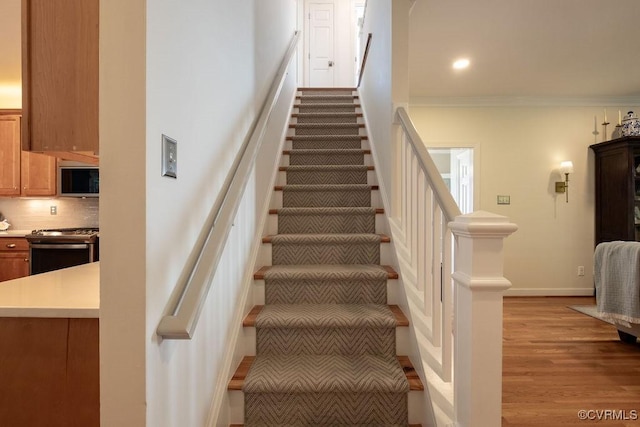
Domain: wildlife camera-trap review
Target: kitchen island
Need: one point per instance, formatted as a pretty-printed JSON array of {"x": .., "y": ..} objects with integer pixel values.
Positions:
[{"x": 49, "y": 352}]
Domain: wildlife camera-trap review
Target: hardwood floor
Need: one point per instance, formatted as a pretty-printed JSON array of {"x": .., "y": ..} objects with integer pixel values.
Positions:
[{"x": 557, "y": 362}]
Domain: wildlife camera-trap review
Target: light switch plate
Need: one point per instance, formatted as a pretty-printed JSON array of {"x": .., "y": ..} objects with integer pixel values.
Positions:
[
  {"x": 504, "y": 200},
  {"x": 169, "y": 157}
]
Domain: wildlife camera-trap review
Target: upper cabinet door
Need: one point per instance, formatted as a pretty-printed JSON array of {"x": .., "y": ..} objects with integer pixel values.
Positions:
[
  {"x": 9, "y": 155},
  {"x": 60, "y": 75},
  {"x": 38, "y": 174}
]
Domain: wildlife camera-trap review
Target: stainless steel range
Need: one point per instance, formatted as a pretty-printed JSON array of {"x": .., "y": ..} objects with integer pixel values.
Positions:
[{"x": 61, "y": 248}]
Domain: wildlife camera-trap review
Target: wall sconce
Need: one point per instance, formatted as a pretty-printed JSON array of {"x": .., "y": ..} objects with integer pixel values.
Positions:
[{"x": 563, "y": 186}]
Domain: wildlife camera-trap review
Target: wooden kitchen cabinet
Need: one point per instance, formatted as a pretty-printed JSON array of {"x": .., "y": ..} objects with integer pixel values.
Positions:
[
  {"x": 22, "y": 173},
  {"x": 38, "y": 174},
  {"x": 60, "y": 75},
  {"x": 50, "y": 372},
  {"x": 9, "y": 155},
  {"x": 14, "y": 258}
]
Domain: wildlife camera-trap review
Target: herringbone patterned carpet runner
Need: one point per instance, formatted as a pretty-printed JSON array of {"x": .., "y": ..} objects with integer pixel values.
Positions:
[{"x": 326, "y": 350}]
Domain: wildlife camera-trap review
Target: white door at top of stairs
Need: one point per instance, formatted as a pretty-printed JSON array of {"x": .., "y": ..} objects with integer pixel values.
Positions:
[{"x": 321, "y": 44}]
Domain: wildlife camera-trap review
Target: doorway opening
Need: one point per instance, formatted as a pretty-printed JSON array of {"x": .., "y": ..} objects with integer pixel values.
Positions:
[{"x": 455, "y": 165}]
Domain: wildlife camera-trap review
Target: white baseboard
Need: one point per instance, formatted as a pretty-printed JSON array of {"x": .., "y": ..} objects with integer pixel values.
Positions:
[{"x": 549, "y": 292}]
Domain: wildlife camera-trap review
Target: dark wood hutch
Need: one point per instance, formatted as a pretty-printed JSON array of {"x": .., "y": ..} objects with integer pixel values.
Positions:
[{"x": 617, "y": 186}]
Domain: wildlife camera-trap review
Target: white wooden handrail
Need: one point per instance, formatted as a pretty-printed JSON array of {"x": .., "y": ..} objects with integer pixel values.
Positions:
[{"x": 187, "y": 300}]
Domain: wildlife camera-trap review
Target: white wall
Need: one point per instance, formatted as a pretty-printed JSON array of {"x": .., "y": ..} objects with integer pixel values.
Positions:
[
  {"x": 376, "y": 86},
  {"x": 197, "y": 72},
  {"x": 519, "y": 147}
]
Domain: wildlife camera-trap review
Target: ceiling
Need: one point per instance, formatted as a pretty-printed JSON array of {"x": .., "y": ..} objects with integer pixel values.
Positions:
[{"x": 570, "y": 49}]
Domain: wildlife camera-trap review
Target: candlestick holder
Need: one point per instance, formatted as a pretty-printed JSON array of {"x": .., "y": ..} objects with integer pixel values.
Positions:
[{"x": 604, "y": 125}]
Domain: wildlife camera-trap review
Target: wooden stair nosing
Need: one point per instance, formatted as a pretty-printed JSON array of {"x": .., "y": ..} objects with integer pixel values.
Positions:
[
  {"x": 275, "y": 211},
  {"x": 383, "y": 238},
  {"x": 373, "y": 187},
  {"x": 237, "y": 381},
  {"x": 250, "y": 319},
  {"x": 259, "y": 275}
]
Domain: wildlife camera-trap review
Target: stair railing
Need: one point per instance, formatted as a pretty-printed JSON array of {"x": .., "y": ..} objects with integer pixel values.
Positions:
[
  {"x": 459, "y": 310},
  {"x": 187, "y": 300}
]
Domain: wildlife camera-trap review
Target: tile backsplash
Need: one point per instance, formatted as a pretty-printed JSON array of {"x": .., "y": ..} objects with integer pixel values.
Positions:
[{"x": 31, "y": 213}]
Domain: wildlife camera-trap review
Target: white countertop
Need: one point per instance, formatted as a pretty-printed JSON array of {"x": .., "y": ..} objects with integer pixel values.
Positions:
[
  {"x": 71, "y": 292},
  {"x": 14, "y": 233}
]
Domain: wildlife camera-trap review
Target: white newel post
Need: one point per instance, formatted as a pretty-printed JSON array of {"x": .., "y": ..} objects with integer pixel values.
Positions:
[{"x": 479, "y": 285}]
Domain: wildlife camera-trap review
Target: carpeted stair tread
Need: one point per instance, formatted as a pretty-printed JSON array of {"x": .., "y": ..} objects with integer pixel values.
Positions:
[
  {"x": 240, "y": 375},
  {"x": 328, "y": 211},
  {"x": 325, "y": 316},
  {"x": 326, "y": 98},
  {"x": 326, "y": 284},
  {"x": 309, "y": 315},
  {"x": 337, "y": 210},
  {"x": 326, "y": 156},
  {"x": 325, "y": 187},
  {"x": 326, "y": 128},
  {"x": 326, "y": 174},
  {"x": 325, "y": 374},
  {"x": 327, "y": 114},
  {"x": 322, "y": 168},
  {"x": 328, "y": 151},
  {"x": 327, "y": 220},
  {"x": 319, "y": 107},
  {"x": 327, "y": 118},
  {"x": 327, "y": 195},
  {"x": 325, "y": 248},
  {"x": 323, "y": 329},
  {"x": 326, "y": 137},
  {"x": 331, "y": 425},
  {"x": 325, "y": 239},
  {"x": 326, "y": 272}
]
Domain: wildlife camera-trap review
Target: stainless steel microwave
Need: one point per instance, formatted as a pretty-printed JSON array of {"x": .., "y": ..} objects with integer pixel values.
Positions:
[{"x": 78, "y": 180}]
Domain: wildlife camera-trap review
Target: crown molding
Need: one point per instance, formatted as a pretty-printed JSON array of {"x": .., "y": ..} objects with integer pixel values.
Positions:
[{"x": 525, "y": 101}]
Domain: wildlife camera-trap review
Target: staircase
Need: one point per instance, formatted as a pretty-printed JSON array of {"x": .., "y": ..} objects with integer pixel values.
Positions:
[{"x": 326, "y": 338}]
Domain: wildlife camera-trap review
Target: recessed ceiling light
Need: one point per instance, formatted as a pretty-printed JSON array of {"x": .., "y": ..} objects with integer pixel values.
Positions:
[{"x": 461, "y": 63}]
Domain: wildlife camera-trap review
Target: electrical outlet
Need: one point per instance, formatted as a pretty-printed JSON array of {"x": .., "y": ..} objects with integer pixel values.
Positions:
[
  {"x": 53, "y": 210},
  {"x": 169, "y": 157},
  {"x": 581, "y": 270}
]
